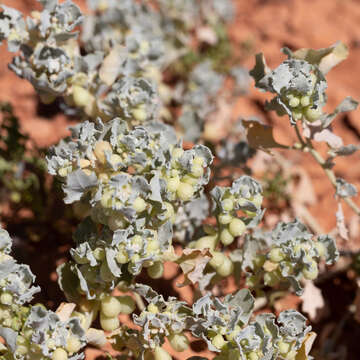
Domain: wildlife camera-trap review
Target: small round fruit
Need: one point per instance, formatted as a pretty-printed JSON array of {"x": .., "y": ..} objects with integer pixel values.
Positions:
[
  {"x": 226, "y": 268},
  {"x": 206, "y": 242},
  {"x": 185, "y": 191},
  {"x": 110, "y": 306},
  {"x": 312, "y": 114},
  {"x": 237, "y": 227},
  {"x": 156, "y": 271},
  {"x": 139, "y": 204},
  {"x": 284, "y": 347},
  {"x": 161, "y": 354},
  {"x": 218, "y": 341},
  {"x": 320, "y": 248},
  {"x": 225, "y": 219},
  {"x": 226, "y": 237},
  {"x": 109, "y": 323},
  {"x": 179, "y": 342},
  {"x": 173, "y": 183},
  {"x": 81, "y": 96},
  {"x": 59, "y": 354},
  {"x": 73, "y": 344},
  {"x": 127, "y": 304},
  {"x": 311, "y": 272},
  {"x": 217, "y": 260},
  {"x": 276, "y": 255},
  {"x": 294, "y": 102},
  {"x": 139, "y": 113},
  {"x": 305, "y": 101},
  {"x": 227, "y": 204}
]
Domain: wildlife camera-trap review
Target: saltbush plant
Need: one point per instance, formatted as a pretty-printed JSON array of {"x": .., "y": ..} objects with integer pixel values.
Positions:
[{"x": 144, "y": 198}]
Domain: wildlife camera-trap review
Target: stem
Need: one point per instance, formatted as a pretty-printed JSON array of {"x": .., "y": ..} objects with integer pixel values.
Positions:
[
  {"x": 302, "y": 142},
  {"x": 330, "y": 174},
  {"x": 139, "y": 301},
  {"x": 308, "y": 147}
]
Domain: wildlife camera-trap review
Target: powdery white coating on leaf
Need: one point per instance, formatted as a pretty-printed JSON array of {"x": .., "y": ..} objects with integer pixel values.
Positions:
[{"x": 345, "y": 189}]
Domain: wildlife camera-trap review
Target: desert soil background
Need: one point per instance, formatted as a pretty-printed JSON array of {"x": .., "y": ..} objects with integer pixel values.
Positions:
[{"x": 260, "y": 25}]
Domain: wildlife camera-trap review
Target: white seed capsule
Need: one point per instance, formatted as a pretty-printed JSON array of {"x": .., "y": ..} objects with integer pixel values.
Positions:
[
  {"x": 226, "y": 238},
  {"x": 185, "y": 191},
  {"x": 237, "y": 227},
  {"x": 225, "y": 219},
  {"x": 294, "y": 102},
  {"x": 320, "y": 248},
  {"x": 109, "y": 324},
  {"x": 152, "y": 308},
  {"x": 73, "y": 344},
  {"x": 139, "y": 204},
  {"x": 197, "y": 170},
  {"x": 152, "y": 246},
  {"x": 305, "y": 100},
  {"x": 236, "y": 330},
  {"x": 59, "y": 354},
  {"x": 170, "y": 212},
  {"x": 199, "y": 160},
  {"x": 81, "y": 96},
  {"x": 127, "y": 304},
  {"x": 64, "y": 171},
  {"x": 218, "y": 341},
  {"x": 284, "y": 347},
  {"x": 226, "y": 268},
  {"x": 122, "y": 257},
  {"x": 206, "y": 242},
  {"x": 99, "y": 254},
  {"x": 139, "y": 113},
  {"x": 106, "y": 199},
  {"x": 227, "y": 204},
  {"x": 311, "y": 272},
  {"x": 173, "y": 183},
  {"x": 276, "y": 255},
  {"x": 179, "y": 342},
  {"x": 161, "y": 354},
  {"x": 253, "y": 356},
  {"x": 156, "y": 271},
  {"x": 217, "y": 259},
  {"x": 110, "y": 306},
  {"x": 312, "y": 114},
  {"x": 6, "y": 298}
]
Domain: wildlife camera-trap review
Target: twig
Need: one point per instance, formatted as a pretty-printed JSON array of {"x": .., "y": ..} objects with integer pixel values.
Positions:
[
  {"x": 139, "y": 301},
  {"x": 308, "y": 147}
]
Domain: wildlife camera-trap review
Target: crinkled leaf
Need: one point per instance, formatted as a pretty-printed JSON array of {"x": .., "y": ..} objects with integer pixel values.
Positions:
[{"x": 345, "y": 189}]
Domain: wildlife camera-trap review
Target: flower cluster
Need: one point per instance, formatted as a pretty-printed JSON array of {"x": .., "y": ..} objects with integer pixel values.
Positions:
[
  {"x": 31, "y": 331},
  {"x": 116, "y": 66},
  {"x": 226, "y": 328},
  {"x": 287, "y": 254},
  {"x": 299, "y": 84}
]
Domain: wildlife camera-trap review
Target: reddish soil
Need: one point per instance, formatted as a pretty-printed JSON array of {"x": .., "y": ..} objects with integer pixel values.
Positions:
[{"x": 260, "y": 25}]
